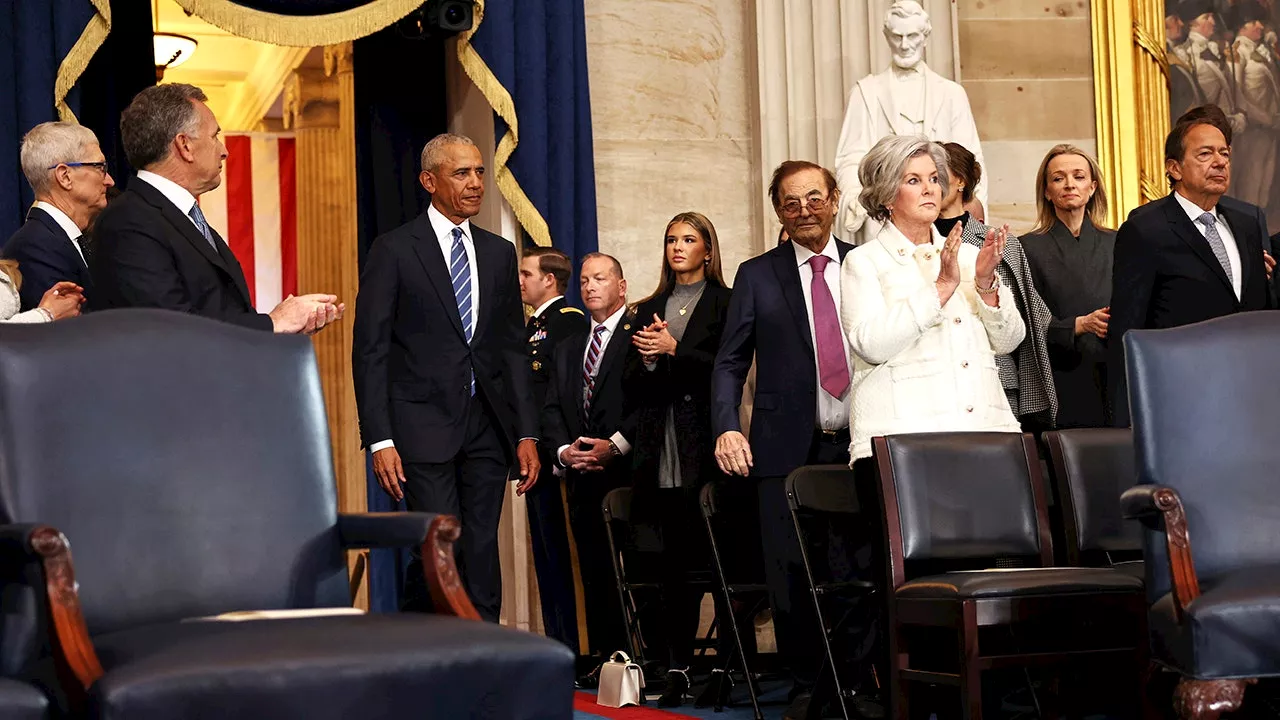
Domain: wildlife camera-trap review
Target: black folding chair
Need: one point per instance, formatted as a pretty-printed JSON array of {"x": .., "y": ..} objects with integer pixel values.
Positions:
[
  {"x": 825, "y": 492},
  {"x": 1091, "y": 469},
  {"x": 725, "y": 505}
]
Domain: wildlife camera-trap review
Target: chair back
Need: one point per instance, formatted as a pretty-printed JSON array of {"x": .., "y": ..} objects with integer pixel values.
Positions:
[
  {"x": 1204, "y": 402},
  {"x": 823, "y": 488},
  {"x": 617, "y": 505},
  {"x": 1091, "y": 468},
  {"x": 186, "y": 460},
  {"x": 961, "y": 496}
]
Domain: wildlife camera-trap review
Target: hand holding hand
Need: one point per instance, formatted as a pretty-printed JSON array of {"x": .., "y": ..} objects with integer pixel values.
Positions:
[
  {"x": 733, "y": 453},
  {"x": 593, "y": 459},
  {"x": 654, "y": 340},
  {"x": 63, "y": 300}
]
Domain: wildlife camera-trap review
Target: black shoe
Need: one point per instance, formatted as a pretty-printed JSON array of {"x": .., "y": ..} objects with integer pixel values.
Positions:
[
  {"x": 677, "y": 688},
  {"x": 799, "y": 709},
  {"x": 716, "y": 693},
  {"x": 590, "y": 681}
]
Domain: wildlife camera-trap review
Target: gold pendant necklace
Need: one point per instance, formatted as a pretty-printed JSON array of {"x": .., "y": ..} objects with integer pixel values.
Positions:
[{"x": 685, "y": 309}]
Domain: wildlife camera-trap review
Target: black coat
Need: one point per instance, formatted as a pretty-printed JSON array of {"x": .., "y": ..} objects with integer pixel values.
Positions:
[
  {"x": 681, "y": 383},
  {"x": 1166, "y": 275},
  {"x": 45, "y": 257},
  {"x": 149, "y": 254},
  {"x": 409, "y": 355},
  {"x": 543, "y": 333},
  {"x": 768, "y": 320}
]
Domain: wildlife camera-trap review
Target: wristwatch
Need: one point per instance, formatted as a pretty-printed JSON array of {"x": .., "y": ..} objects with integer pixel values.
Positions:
[{"x": 614, "y": 449}]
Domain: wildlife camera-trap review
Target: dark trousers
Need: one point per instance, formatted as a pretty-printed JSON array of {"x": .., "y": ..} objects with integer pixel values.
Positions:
[
  {"x": 471, "y": 487},
  {"x": 795, "y": 622},
  {"x": 605, "y": 628},
  {"x": 550, "y": 537}
]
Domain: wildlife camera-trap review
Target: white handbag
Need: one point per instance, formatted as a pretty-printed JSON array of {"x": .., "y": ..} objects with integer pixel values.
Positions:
[{"x": 621, "y": 682}]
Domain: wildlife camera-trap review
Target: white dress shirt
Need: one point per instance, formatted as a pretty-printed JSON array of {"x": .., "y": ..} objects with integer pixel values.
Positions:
[
  {"x": 920, "y": 366},
  {"x": 833, "y": 412},
  {"x": 176, "y": 194},
  {"x": 67, "y": 224},
  {"x": 443, "y": 228},
  {"x": 1194, "y": 212},
  {"x": 610, "y": 324},
  {"x": 543, "y": 307}
]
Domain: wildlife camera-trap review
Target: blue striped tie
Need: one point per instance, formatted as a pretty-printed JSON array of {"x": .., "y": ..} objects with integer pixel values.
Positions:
[
  {"x": 202, "y": 225},
  {"x": 460, "y": 275}
]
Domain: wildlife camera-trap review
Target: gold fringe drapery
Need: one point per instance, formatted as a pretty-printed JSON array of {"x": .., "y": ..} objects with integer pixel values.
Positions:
[
  {"x": 300, "y": 30},
  {"x": 500, "y": 100},
  {"x": 78, "y": 57}
]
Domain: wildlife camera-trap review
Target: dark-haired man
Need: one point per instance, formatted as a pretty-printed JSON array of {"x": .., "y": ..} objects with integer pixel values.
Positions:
[
  {"x": 1191, "y": 256},
  {"x": 544, "y": 276}
]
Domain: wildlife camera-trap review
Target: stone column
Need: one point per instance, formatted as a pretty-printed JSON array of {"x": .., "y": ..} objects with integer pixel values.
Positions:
[{"x": 319, "y": 107}]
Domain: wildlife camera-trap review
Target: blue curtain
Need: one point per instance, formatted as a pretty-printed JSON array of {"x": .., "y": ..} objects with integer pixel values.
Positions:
[
  {"x": 34, "y": 37},
  {"x": 538, "y": 52}
]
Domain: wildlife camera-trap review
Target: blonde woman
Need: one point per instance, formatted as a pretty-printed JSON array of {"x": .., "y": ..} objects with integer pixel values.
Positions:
[
  {"x": 925, "y": 316},
  {"x": 1070, "y": 252},
  {"x": 61, "y": 301}
]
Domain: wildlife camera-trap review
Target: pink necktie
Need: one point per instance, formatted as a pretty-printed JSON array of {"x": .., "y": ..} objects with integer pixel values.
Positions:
[{"x": 833, "y": 368}]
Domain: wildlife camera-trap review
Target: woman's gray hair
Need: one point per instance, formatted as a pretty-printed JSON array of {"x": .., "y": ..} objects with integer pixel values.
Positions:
[
  {"x": 49, "y": 144},
  {"x": 883, "y": 167},
  {"x": 433, "y": 151}
]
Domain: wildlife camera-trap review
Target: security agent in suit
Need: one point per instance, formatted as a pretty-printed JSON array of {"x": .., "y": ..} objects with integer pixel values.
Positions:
[
  {"x": 68, "y": 175},
  {"x": 1191, "y": 256},
  {"x": 591, "y": 425},
  {"x": 442, "y": 382},
  {"x": 153, "y": 246},
  {"x": 795, "y": 420},
  {"x": 544, "y": 275}
]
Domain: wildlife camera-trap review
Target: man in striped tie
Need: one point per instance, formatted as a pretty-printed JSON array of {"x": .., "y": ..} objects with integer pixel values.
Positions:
[
  {"x": 442, "y": 383},
  {"x": 589, "y": 425}
]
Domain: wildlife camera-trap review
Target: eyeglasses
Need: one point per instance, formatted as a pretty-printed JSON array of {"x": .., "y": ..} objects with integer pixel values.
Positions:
[
  {"x": 815, "y": 205},
  {"x": 99, "y": 165}
]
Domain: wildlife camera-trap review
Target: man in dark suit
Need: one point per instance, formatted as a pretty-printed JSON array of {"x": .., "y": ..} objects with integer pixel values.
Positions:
[
  {"x": 153, "y": 247},
  {"x": 544, "y": 275},
  {"x": 590, "y": 424},
  {"x": 441, "y": 379},
  {"x": 1191, "y": 256},
  {"x": 798, "y": 419},
  {"x": 68, "y": 175}
]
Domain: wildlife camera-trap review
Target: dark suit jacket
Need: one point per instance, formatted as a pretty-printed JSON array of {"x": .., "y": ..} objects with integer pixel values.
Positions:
[
  {"x": 611, "y": 409},
  {"x": 767, "y": 318},
  {"x": 681, "y": 383},
  {"x": 1166, "y": 275},
  {"x": 149, "y": 254},
  {"x": 410, "y": 358},
  {"x": 546, "y": 332},
  {"x": 46, "y": 257}
]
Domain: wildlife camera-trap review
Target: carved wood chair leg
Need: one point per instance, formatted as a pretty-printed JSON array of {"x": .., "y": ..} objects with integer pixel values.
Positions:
[{"x": 1208, "y": 699}]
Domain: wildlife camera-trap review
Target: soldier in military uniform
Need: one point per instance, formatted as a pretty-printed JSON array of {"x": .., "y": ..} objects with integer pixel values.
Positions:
[{"x": 544, "y": 275}]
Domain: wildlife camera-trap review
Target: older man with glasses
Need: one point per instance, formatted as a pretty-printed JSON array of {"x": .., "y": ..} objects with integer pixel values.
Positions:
[{"x": 68, "y": 174}]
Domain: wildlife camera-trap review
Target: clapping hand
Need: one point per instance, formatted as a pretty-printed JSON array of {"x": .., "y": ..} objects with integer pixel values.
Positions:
[
  {"x": 1268, "y": 262},
  {"x": 306, "y": 314},
  {"x": 989, "y": 256},
  {"x": 654, "y": 340},
  {"x": 949, "y": 271}
]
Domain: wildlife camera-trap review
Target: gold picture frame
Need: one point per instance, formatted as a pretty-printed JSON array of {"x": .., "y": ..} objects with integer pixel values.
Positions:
[{"x": 1131, "y": 100}]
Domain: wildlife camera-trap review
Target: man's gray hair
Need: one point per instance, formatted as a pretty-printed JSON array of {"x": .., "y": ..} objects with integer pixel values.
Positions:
[
  {"x": 156, "y": 116},
  {"x": 49, "y": 144},
  {"x": 433, "y": 151},
  {"x": 907, "y": 9},
  {"x": 884, "y": 166}
]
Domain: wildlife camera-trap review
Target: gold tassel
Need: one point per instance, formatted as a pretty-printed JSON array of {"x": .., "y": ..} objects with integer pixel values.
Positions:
[
  {"x": 300, "y": 30},
  {"x": 78, "y": 57}
]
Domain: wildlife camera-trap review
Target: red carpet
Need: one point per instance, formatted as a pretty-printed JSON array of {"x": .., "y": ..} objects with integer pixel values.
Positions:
[{"x": 586, "y": 703}]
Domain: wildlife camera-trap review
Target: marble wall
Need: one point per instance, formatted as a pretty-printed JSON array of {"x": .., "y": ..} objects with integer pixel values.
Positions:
[
  {"x": 1027, "y": 66},
  {"x": 672, "y": 105}
]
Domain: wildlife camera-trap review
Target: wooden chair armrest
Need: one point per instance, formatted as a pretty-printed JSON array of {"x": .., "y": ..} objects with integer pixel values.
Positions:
[
  {"x": 447, "y": 593},
  {"x": 70, "y": 631},
  {"x": 1144, "y": 502}
]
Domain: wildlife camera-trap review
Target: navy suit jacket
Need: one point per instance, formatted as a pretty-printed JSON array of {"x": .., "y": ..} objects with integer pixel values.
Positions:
[
  {"x": 411, "y": 361},
  {"x": 768, "y": 319},
  {"x": 1166, "y": 275},
  {"x": 45, "y": 258}
]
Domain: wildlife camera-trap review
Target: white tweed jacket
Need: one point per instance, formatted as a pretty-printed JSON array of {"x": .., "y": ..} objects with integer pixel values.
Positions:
[
  {"x": 920, "y": 366},
  {"x": 10, "y": 303}
]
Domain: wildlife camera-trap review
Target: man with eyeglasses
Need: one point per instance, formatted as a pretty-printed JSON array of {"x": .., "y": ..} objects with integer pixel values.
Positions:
[
  {"x": 785, "y": 312},
  {"x": 68, "y": 174}
]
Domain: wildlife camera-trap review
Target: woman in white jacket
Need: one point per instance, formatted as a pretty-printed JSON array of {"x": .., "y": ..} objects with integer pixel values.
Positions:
[
  {"x": 61, "y": 301},
  {"x": 925, "y": 316}
]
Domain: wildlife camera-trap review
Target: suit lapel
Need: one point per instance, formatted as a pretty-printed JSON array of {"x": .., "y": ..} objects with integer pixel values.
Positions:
[
  {"x": 788, "y": 272},
  {"x": 180, "y": 222},
  {"x": 487, "y": 280},
  {"x": 884, "y": 91},
  {"x": 1241, "y": 230},
  {"x": 41, "y": 216},
  {"x": 572, "y": 383},
  {"x": 427, "y": 248},
  {"x": 619, "y": 342},
  {"x": 1181, "y": 226},
  {"x": 232, "y": 266}
]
